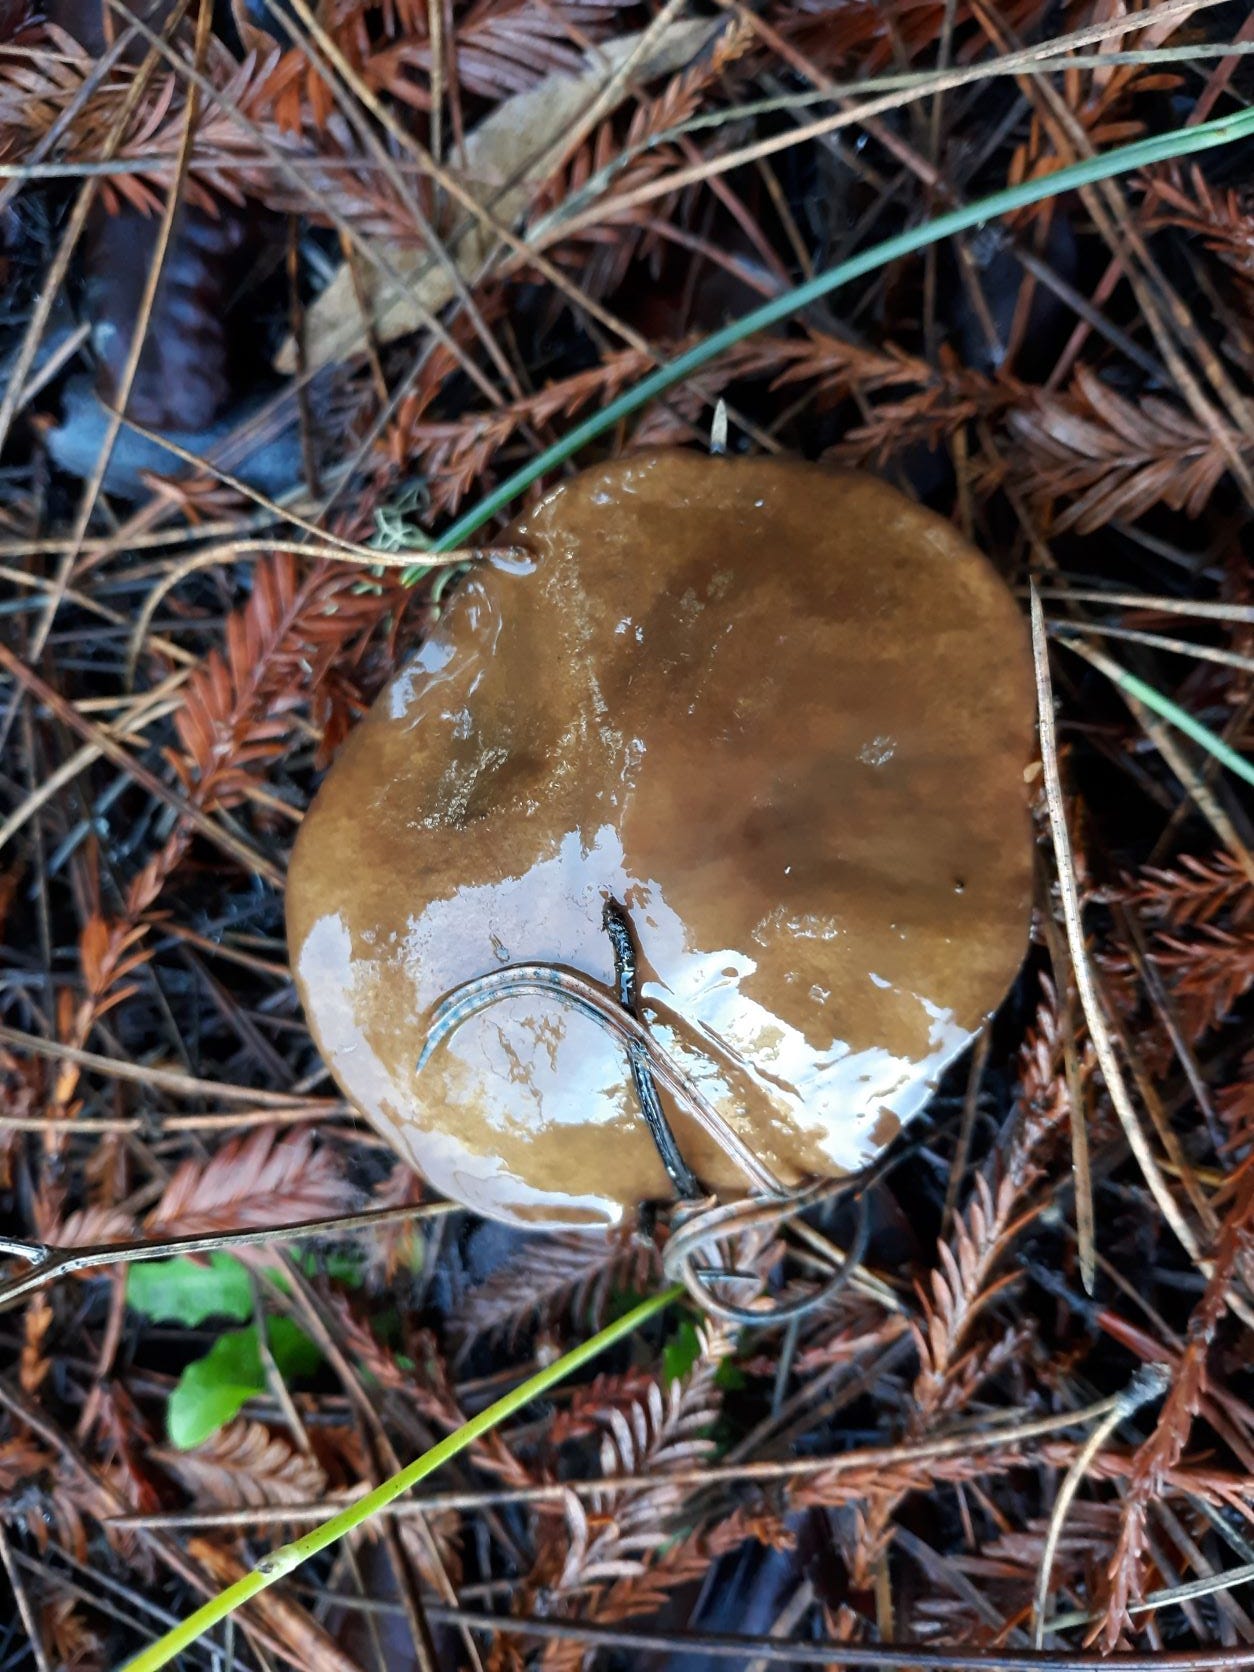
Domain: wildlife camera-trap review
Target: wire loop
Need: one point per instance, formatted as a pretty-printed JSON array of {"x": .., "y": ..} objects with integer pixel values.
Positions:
[
  {"x": 702, "y": 1253},
  {"x": 707, "y": 1237}
]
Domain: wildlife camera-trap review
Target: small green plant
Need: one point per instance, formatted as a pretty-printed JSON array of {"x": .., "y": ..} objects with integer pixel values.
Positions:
[
  {"x": 681, "y": 1351},
  {"x": 289, "y": 1556},
  {"x": 215, "y": 1387},
  {"x": 394, "y": 529},
  {"x": 189, "y": 1292}
]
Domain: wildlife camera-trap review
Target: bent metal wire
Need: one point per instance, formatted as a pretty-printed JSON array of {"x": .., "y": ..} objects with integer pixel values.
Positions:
[{"x": 701, "y": 1252}]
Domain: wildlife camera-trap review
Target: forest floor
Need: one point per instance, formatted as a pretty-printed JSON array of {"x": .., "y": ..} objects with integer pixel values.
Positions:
[{"x": 405, "y": 248}]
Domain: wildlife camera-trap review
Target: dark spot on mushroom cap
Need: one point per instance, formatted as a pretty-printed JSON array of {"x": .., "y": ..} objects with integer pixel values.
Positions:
[{"x": 773, "y": 710}]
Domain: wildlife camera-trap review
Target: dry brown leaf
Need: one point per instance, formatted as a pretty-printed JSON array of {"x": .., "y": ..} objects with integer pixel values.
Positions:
[
  {"x": 34, "y": 1363},
  {"x": 1191, "y": 1379},
  {"x": 1113, "y": 457},
  {"x": 552, "y": 1276},
  {"x": 506, "y": 157},
  {"x": 246, "y": 1465},
  {"x": 263, "y": 1179},
  {"x": 614, "y": 1532},
  {"x": 1196, "y": 890},
  {"x": 1145, "y": 39},
  {"x": 77, "y": 1647},
  {"x": 48, "y": 1501},
  {"x": 89, "y": 1226}
]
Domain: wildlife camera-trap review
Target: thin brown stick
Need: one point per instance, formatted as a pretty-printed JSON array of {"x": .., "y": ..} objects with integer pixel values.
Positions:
[
  {"x": 332, "y": 544},
  {"x": 155, "y": 705},
  {"x": 170, "y": 1080},
  {"x": 1150, "y": 1383},
  {"x": 112, "y": 750},
  {"x": 1094, "y": 1012},
  {"x": 233, "y": 551},
  {"x": 1008, "y": 63},
  {"x": 1012, "y": 1436},
  {"x": 1151, "y": 602},
  {"x": 53, "y": 1263},
  {"x": 34, "y": 1636},
  {"x": 164, "y": 1125},
  {"x": 143, "y": 318},
  {"x": 368, "y": 248},
  {"x": 828, "y": 1652}
]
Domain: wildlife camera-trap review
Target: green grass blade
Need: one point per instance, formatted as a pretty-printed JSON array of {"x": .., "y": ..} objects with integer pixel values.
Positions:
[
  {"x": 289, "y": 1556},
  {"x": 1141, "y": 153},
  {"x": 1167, "y": 710}
]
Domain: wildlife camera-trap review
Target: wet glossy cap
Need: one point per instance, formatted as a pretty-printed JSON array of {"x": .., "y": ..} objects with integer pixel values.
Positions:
[{"x": 783, "y": 717}]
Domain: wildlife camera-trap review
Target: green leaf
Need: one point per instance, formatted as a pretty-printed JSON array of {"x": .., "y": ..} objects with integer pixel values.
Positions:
[
  {"x": 185, "y": 1292},
  {"x": 294, "y": 1353},
  {"x": 188, "y": 1292},
  {"x": 346, "y": 1265},
  {"x": 202, "y": 1403},
  {"x": 213, "y": 1389},
  {"x": 730, "y": 1377},
  {"x": 681, "y": 1352}
]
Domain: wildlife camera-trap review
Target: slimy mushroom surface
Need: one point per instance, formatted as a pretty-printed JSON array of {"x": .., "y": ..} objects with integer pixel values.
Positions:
[{"x": 782, "y": 716}]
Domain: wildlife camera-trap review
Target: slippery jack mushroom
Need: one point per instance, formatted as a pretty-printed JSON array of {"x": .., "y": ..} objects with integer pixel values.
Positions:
[{"x": 716, "y": 797}]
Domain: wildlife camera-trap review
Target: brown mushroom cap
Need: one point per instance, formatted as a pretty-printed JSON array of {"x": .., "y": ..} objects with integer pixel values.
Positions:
[{"x": 781, "y": 715}]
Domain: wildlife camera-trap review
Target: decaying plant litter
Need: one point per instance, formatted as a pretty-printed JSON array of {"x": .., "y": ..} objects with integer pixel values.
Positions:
[{"x": 415, "y": 245}]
